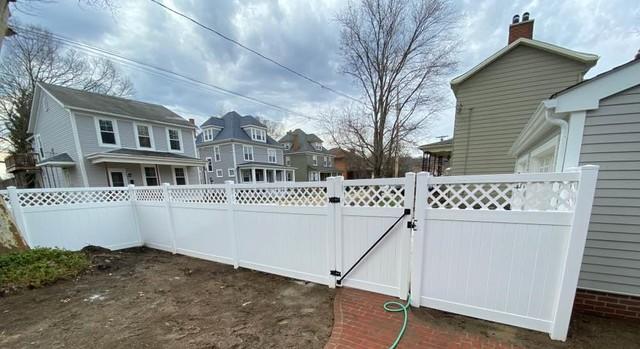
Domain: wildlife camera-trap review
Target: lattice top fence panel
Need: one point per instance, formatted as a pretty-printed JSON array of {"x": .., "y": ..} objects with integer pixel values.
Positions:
[
  {"x": 375, "y": 195},
  {"x": 4, "y": 195},
  {"x": 515, "y": 196},
  {"x": 282, "y": 196},
  {"x": 76, "y": 197},
  {"x": 149, "y": 194},
  {"x": 198, "y": 195}
]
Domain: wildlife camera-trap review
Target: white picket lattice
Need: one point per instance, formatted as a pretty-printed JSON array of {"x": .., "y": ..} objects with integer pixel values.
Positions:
[
  {"x": 149, "y": 194},
  {"x": 522, "y": 196},
  {"x": 282, "y": 196},
  {"x": 198, "y": 195},
  {"x": 75, "y": 197},
  {"x": 384, "y": 195}
]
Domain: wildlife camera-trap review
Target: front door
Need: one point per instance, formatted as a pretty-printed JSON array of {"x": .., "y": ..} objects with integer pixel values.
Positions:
[{"x": 117, "y": 177}]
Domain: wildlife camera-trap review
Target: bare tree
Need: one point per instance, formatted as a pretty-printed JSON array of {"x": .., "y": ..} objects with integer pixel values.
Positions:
[
  {"x": 399, "y": 53},
  {"x": 275, "y": 129},
  {"x": 34, "y": 56}
]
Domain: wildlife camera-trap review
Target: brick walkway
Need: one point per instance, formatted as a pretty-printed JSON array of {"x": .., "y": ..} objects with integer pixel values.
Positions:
[{"x": 361, "y": 322}]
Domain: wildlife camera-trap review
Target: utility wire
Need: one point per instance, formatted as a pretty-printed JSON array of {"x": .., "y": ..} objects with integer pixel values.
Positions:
[
  {"x": 154, "y": 69},
  {"x": 301, "y": 75}
]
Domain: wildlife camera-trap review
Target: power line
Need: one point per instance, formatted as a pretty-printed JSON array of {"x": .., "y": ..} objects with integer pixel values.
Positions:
[
  {"x": 301, "y": 75},
  {"x": 154, "y": 69}
]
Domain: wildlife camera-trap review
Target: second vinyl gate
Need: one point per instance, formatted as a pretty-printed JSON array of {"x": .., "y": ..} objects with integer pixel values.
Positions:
[{"x": 505, "y": 248}]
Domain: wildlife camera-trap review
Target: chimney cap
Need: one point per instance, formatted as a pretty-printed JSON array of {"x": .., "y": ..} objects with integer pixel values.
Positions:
[
  {"x": 525, "y": 16},
  {"x": 516, "y": 19},
  {"x": 637, "y": 55}
]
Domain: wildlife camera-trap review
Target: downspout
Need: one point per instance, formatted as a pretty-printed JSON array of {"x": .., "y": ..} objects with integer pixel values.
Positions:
[{"x": 564, "y": 128}]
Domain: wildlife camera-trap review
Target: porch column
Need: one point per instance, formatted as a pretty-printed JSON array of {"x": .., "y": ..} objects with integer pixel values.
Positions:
[
  {"x": 293, "y": 176},
  {"x": 264, "y": 175},
  {"x": 253, "y": 175},
  {"x": 274, "y": 175}
]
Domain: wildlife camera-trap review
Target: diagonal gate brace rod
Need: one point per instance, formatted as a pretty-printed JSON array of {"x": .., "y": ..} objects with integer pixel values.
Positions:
[{"x": 342, "y": 277}]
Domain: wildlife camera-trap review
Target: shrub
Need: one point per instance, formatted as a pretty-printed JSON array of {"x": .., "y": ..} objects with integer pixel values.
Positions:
[{"x": 39, "y": 267}]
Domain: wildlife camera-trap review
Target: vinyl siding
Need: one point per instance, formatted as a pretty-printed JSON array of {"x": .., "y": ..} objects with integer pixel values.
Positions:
[
  {"x": 611, "y": 140},
  {"x": 225, "y": 163},
  {"x": 498, "y": 101},
  {"x": 53, "y": 124}
]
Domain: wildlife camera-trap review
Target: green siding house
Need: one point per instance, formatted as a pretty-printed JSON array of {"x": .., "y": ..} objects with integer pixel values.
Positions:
[{"x": 305, "y": 152}]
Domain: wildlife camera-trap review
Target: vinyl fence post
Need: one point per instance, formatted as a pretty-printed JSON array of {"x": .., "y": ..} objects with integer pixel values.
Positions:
[
  {"x": 338, "y": 183},
  {"x": 18, "y": 214},
  {"x": 405, "y": 237},
  {"x": 231, "y": 223},
  {"x": 134, "y": 209},
  {"x": 417, "y": 257},
  {"x": 172, "y": 227},
  {"x": 331, "y": 233},
  {"x": 575, "y": 249}
]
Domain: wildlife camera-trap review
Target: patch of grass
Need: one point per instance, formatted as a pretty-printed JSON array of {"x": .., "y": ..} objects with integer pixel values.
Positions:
[{"x": 39, "y": 267}]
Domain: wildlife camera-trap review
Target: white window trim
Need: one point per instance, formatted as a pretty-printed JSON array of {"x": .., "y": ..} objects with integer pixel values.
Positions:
[
  {"x": 124, "y": 175},
  {"x": 315, "y": 177},
  {"x": 287, "y": 161},
  {"x": 229, "y": 172},
  {"x": 275, "y": 156},
  {"x": 204, "y": 134},
  {"x": 209, "y": 160},
  {"x": 144, "y": 177},
  {"x": 116, "y": 132},
  {"x": 179, "y": 139},
  {"x": 244, "y": 153},
  {"x": 314, "y": 160},
  {"x": 219, "y": 173},
  {"x": 186, "y": 175},
  {"x": 217, "y": 156},
  {"x": 253, "y": 131},
  {"x": 135, "y": 132},
  {"x": 287, "y": 146}
]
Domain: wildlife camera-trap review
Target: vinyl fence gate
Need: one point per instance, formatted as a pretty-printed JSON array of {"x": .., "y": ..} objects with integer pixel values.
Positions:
[{"x": 505, "y": 248}]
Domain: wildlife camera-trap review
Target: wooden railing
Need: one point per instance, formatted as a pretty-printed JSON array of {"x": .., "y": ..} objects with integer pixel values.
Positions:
[{"x": 23, "y": 161}]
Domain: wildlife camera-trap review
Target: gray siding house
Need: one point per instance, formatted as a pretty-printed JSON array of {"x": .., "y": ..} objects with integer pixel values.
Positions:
[
  {"x": 304, "y": 151},
  {"x": 596, "y": 122},
  {"x": 85, "y": 139},
  {"x": 496, "y": 98},
  {"x": 238, "y": 148}
]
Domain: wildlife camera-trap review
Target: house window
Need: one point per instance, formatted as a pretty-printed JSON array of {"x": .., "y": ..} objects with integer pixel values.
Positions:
[
  {"x": 287, "y": 146},
  {"x": 219, "y": 172},
  {"x": 247, "y": 150},
  {"x": 258, "y": 135},
  {"x": 246, "y": 175},
  {"x": 317, "y": 146},
  {"x": 180, "y": 175},
  {"x": 144, "y": 136},
  {"x": 175, "y": 139},
  {"x": 326, "y": 161},
  {"x": 272, "y": 155},
  {"x": 207, "y": 134},
  {"x": 209, "y": 165},
  {"x": 287, "y": 160},
  {"x": 289, "y": 176},
  {"x": 216, "y": 153},
  {"x": 315, "y": 160},
  {"x": 108, "y": 132},
  {"x": 313, "y": 176},
  {"x": 150, "y": 176},
  {"x": 231, "y": 172}
]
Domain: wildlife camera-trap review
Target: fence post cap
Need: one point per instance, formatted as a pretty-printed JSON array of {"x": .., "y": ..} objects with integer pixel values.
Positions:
[
  {"x": 131, "y": 186},
  {"x": 423, "y": 173},
  {"x": 11, "y": 187}
]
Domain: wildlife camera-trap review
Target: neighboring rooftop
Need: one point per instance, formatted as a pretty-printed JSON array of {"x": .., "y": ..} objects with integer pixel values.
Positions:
[
  {"x": 231, "y": 125},
  {"x": 440, "y": 146},
  {"x": 302, "y": 142},
  {"x": 79, "y": 99}
]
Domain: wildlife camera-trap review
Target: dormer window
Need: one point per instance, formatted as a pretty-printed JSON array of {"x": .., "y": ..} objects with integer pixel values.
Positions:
[
  {"x": 287, "y": 146},
  {"x": 317, "y": 146},
  {"x": 207, "y": 134},
  {"x": 258, "y": 135}
]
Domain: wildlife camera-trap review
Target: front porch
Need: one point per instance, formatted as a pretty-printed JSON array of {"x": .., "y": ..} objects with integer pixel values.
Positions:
[{"x": 265, "y": 173}]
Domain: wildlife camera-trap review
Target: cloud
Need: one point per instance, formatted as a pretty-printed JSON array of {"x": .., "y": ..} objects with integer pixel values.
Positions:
[{"x": 303, "y": 35}]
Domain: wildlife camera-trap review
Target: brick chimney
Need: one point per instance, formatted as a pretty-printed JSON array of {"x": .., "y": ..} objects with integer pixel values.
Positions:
[
  {"x": 521, "y": 29},
  {"x": 192, "y": 121}
]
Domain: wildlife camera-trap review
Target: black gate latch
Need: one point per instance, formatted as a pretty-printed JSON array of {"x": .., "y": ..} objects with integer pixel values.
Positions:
[
  {"x": 334, "y": 200},
  {"x": 411, "y": 224},
  {"x": 335, "y": 273}
]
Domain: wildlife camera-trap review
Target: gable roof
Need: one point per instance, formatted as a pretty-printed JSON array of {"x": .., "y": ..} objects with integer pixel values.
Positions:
[
  {"x": 586, "y": 58},
  {"x": 90, "y": 101},
  {"x": 301, "y": 142},
  {"x": 231, "y": 125}
]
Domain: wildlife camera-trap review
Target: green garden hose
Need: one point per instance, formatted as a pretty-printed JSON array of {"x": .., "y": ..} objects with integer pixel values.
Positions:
[{"x": 396, "y": 307}]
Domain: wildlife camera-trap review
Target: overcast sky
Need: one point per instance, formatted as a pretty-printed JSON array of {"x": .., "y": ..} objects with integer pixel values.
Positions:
[{"x": 304, "y": 36}]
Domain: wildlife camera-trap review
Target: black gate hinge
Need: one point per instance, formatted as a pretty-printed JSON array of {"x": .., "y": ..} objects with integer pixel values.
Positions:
[
  {"x": 411, "y": 224},
  {"x": 334, "y": 200},
  {"x": 335, "y": 273}
]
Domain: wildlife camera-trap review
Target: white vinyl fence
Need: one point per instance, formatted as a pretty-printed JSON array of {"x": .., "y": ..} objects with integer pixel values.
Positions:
[{"x": 505, "y": 248}]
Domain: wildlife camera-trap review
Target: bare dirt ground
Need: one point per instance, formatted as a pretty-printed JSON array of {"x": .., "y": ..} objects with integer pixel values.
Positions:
[
  {"x": 585, "y": 331},
  {"x": 143, "y": 298}
]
